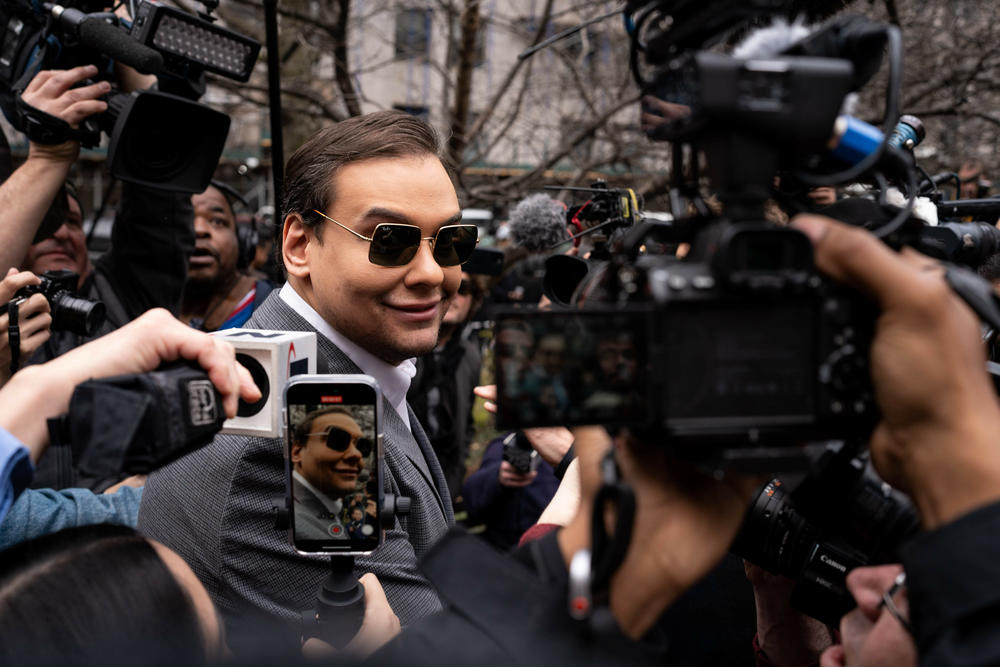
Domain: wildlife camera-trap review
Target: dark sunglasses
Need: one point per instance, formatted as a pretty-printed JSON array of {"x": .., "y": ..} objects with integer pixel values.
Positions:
[
  {"x": 339, "y": 440},
  {"x": 394, "y": 244},
  {"x": 465, "y": 288}
]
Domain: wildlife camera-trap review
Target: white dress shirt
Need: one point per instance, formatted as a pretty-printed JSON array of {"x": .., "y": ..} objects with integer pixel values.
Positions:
[{"x": 393, "y": 380}]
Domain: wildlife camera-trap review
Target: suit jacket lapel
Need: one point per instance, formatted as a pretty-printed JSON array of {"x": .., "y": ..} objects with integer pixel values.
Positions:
[{"x": 439, "y": 484}]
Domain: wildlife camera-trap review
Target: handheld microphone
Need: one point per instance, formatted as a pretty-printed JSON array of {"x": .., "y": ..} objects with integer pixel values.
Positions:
[{"x": 98, "y": 34}]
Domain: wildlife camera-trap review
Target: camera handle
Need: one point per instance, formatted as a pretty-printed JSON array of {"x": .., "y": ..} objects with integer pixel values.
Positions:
[{"x": 340, "y": 604}]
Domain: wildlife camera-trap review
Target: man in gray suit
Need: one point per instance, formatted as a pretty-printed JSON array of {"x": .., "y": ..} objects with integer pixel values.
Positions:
[{"x": 372, "y": 246}]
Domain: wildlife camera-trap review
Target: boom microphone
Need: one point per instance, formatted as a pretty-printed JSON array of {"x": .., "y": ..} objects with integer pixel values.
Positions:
[
  {"x": 538, "y": 222},
  {"x": 100, "y": 35}
]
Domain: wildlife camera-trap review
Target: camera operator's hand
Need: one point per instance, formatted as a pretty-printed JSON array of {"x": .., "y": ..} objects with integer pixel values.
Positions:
[
  {"x": 37, "y": 393},
  {"x": 510, "y": 477},
  {"x": 551, "y": 443},
  {"x": 784, "y": 634},
  {"x": 52, "y": 91},
  {"x": 940, "y": 415},
  {"x": 26, "y": 196},
  {"x": 33, "y": 317},
  {"x": 684, "y": 523},
  {"x": 657, "y": 112},
  {"x": 379, "y": 625}
]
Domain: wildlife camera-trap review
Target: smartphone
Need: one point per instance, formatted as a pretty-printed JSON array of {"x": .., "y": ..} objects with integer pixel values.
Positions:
[{"x": 334, "y": 463}]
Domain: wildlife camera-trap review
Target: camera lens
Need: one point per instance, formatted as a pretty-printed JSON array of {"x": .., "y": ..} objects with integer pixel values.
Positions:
[
  {"x": 79, "y": 316},
  {"x": 774, "y": 535}
]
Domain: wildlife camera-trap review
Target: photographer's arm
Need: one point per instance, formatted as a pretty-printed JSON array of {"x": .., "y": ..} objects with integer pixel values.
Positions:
[
  {"x": 37, "y": 393},
  {"x": 938, "y": 439},
  {"x": 27, "y": 194}
]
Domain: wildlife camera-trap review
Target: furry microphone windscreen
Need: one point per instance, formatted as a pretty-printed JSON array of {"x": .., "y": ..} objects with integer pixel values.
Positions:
[{"x": 538, "y": 222}]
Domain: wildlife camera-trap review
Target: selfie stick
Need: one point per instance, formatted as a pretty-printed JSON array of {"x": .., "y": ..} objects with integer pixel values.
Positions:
[{"x": 340, "y": 605}]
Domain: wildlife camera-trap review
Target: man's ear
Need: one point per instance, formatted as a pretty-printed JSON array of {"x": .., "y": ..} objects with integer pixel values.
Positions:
[
  {"x": 295, "y": 240},
  {"x": 296, "y": 453}
]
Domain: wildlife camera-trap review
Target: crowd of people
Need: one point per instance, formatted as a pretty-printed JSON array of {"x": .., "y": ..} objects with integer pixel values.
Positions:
[{"x": 595, "y": 548}]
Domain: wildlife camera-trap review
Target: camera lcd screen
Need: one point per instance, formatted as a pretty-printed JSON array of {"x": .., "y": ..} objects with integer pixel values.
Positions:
[
  {"x": 571, "y": 367},
  {"x": 748, "y": 361},
  {"x": 333, "y": 467}
]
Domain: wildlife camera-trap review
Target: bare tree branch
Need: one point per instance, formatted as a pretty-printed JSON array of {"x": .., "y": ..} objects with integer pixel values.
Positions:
[{"x": 501, "y": 91}]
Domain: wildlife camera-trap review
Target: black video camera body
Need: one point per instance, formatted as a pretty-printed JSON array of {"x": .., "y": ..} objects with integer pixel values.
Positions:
[
  {"x": 69, "y": 312},
  {"x": 151, "y": 132},
  {"x": 741, "y": 353}
]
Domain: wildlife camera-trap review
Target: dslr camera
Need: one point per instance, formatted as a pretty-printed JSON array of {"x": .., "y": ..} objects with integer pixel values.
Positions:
[{"x": 69, "y": 313}]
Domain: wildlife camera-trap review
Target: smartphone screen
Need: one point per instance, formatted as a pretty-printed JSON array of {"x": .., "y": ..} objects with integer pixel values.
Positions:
[{"x": 334, "y": 448}]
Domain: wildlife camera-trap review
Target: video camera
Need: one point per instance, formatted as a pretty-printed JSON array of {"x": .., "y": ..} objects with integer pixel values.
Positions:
[
  {"x": 159, "y": 138},
  {"x": 740, "y": 350}
]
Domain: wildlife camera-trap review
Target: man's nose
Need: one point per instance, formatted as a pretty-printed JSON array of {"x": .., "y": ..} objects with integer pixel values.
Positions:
[
  {"x": 423, "y": 269},
  {"x": 201, "y": 228},
  {"x": 353, "y": 453}
]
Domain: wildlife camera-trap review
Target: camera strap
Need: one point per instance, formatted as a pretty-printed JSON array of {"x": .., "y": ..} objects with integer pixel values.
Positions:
[
  {"x": 14, "y": 334},
  {"x": 44, "y": 128},
  {"x": 591, "y": 570}
]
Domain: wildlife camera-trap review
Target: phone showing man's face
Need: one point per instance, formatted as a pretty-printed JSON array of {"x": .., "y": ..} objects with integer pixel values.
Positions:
[{"x": 334, "y": 451}]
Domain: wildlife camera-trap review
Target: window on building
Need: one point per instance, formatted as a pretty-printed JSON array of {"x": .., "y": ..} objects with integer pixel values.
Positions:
[{"x": 413, "y": 32}]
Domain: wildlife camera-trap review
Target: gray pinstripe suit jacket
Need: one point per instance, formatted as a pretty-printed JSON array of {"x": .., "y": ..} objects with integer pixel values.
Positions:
[{"x": 213, "y": 507}]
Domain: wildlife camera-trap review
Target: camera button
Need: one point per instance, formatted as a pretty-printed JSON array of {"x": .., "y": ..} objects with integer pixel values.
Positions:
[
  {"x": 677, "y": 283},
  {"x": 703, "y": 282}
]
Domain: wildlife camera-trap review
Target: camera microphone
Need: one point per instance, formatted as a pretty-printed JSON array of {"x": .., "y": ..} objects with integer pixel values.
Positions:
[
  {"x": 102, "y": 36},
  {"x": 538, "y": 222}
]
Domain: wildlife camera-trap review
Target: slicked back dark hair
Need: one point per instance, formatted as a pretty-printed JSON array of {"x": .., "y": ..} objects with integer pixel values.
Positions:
[{"x": 382, "y": 134}]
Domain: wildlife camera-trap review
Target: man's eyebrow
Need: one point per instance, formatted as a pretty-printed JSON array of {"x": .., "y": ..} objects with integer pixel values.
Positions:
[{"x": 389, "y": 215}]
